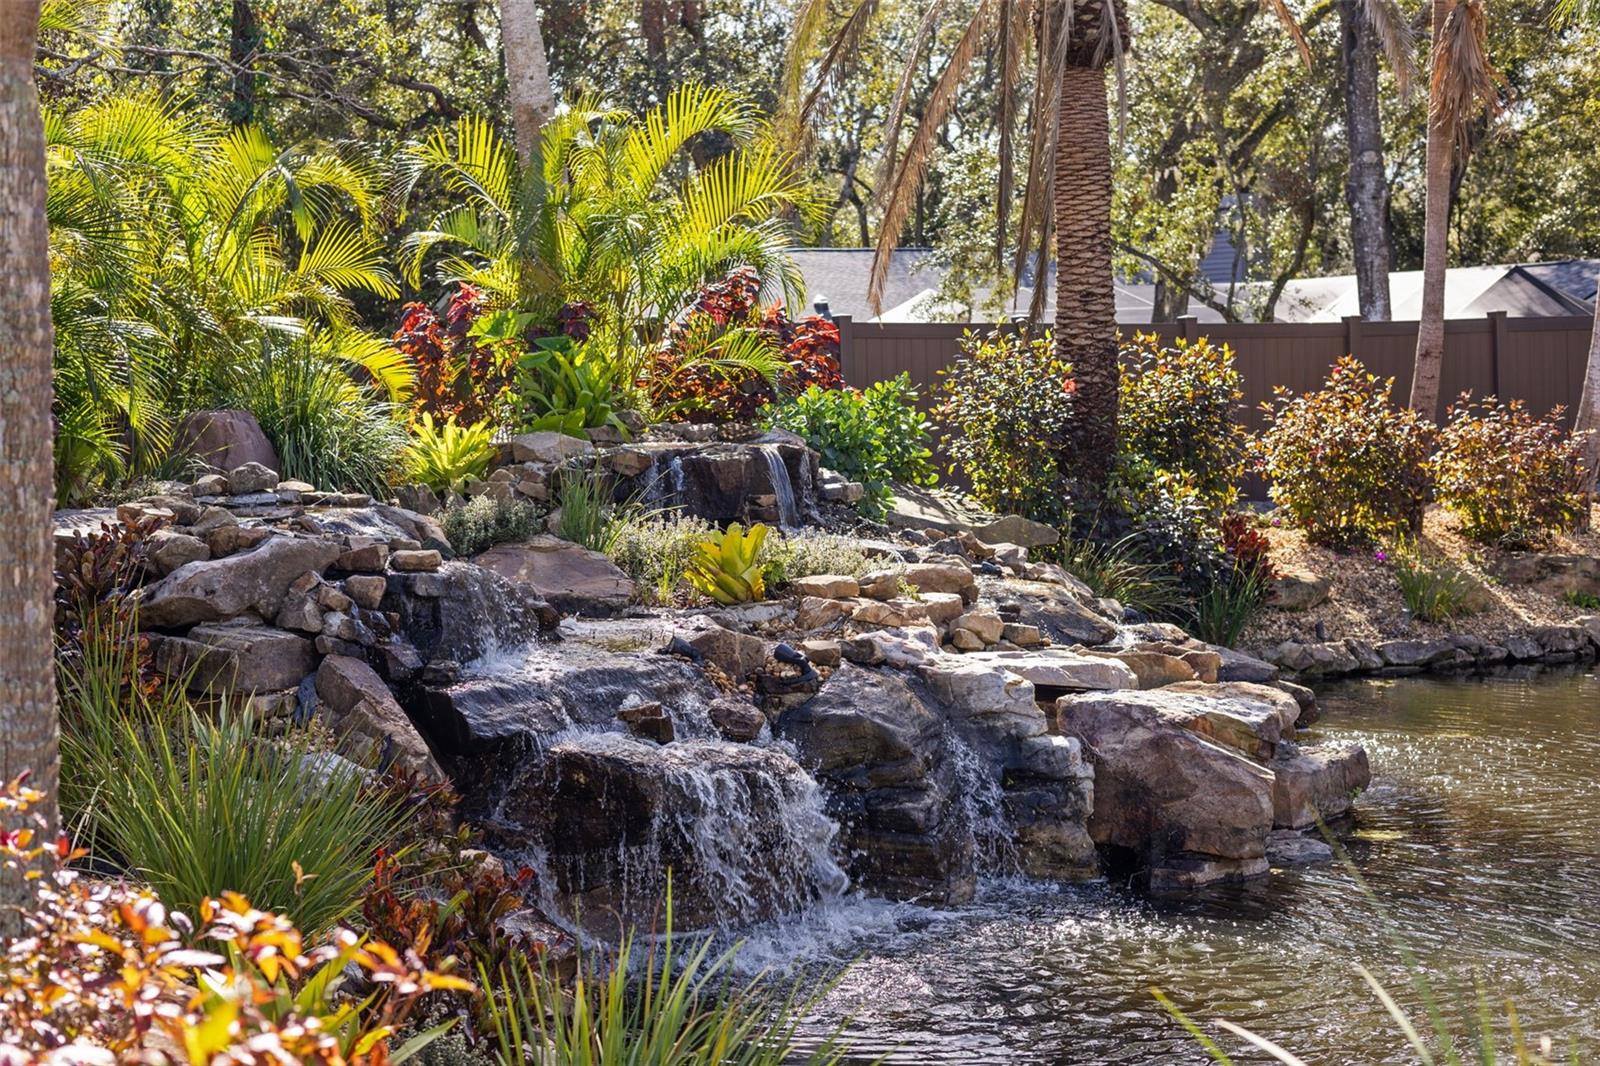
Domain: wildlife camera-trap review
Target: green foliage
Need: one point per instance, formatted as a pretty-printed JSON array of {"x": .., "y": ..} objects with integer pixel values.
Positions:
[
  {"x": 589, "y": 512},
  {"x": 657, "y": 552},
  {"x": 481, "y": 522},
  {"x": 1224, "y": 609},
  {"x": 198, "y": 808},
  {"x": 1120, "y": 571},
  {"x": 1511, "y": 478},
  {"x": 1006, "y": 403},
  {"x": 567, "y": 388},
  {"x": 874, "y": 436},
  {"x": 661, "y": 1006},
  {"x": 614, "y": 216},
  {"x": 445, "y": 456},
  {"x": 1433, "y": 591},
  {"x": 1346, "y": 464},
  {"x": 1586, "y": 601},
  {"x": 183, "y": 252},
  {"x": 1179, "y": 412},
  {"x": 726, "y": 566},
  {"x": 328, "y": 431},
  {"x": 804, "y": 552}
]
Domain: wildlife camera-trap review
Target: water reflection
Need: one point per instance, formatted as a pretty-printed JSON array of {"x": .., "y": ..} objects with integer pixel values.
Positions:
[{"x": 1480, "y": 837}]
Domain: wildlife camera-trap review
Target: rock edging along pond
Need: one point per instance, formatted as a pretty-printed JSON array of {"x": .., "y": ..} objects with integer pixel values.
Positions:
[
  {"x": 961, "y": 711},
  {"x": 1547, "y": 645}
]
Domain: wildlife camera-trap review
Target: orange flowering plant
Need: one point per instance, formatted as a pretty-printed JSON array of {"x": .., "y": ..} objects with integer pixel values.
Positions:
[{"x": 102, "y": 972}]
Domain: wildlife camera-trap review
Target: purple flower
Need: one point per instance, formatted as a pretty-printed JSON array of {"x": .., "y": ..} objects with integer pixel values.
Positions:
[{"x": 1381, "y": 555}]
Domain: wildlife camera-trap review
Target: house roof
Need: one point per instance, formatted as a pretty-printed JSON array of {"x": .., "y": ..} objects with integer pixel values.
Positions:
[
  {"x": 1469, "y": 292},
  {"x": 841, "y": 276}
]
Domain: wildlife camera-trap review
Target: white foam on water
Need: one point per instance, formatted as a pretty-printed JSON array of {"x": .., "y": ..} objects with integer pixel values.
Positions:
[{"x": 782, "y": 487}]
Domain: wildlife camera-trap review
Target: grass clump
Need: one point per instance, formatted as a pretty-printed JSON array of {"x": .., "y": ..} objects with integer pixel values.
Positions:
[
  {"x": 1117, "y": 571},
  {"x": 1433, "y": 592},
  {"x": 1226, "y": 607},
  {"x": 480, "y": 523}
]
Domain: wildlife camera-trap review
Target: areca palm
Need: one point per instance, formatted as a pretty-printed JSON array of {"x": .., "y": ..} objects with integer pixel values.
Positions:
[
  {"x": 181, "y": 254},
  {"x": 611, "y": 213},
  {"x": 1066, "y": 194}
]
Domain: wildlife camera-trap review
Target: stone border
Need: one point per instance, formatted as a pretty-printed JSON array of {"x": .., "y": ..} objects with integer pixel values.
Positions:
[{"x": 1454, "y": 654}]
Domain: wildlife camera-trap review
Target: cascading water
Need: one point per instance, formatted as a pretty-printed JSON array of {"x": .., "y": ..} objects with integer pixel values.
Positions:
[
  {"x": 982, "y": 807},
  {"x": 782, "y": 487}
]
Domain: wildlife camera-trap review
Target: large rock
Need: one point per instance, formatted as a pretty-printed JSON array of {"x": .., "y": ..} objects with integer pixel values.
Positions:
[
  {"x": 1056, "y": 669},
  {"x": 1193, "y": 810},
  {"x": 1059, "y": 611},
  {"x": 218, "y": 659},
  {"x": 1552, "y": 574},
  {"x": 772, "y": 479},
  {"x": 1014, "y": 529},
  {"x": 462, "y": 612},
  {"x": 224, "y": 440},
  {"x": 1250, "y": 719},
  {"x": 739, "y": 829},
  {"x": 1326, "y": 659},
  {"x": 1298, "y": 589},
  {"x": 252, "y": 582},
  {"x": 1317, "y": 784},
  {"x": 569, "y": 576},
  {"x": 547, "y": 447},
  {"x": 372, "y": 729}
]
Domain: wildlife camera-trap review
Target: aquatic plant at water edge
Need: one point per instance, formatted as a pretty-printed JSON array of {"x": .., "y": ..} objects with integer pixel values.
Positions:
[
  {"x": 726, "y": 566},
  {"x": 655, "y": 1004},
  {"x": 482, "y": 522},
  {"x": 444, "y": 455}
]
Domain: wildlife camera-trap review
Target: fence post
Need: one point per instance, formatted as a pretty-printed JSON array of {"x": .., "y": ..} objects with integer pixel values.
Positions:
[
  {"x": 846, "y": 334},
  {"x": 1498, "y": 343},
  {"x": 1352, "y": 334},
  {"x": 1191, "y": 327}
]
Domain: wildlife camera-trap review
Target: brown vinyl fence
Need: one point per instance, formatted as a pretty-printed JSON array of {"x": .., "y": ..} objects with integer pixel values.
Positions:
[{"x": 1537, "y": 360}]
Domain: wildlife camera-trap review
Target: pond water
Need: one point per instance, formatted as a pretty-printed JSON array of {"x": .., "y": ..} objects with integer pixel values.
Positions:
[{"x": 1480, "y": 839}]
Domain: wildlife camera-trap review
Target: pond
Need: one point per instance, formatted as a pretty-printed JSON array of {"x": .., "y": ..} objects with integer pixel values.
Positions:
[{"x": 1480, "y": 839}]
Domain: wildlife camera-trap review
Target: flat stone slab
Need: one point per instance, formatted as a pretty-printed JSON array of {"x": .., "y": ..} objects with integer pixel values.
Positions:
[
  {"x": 1058, "y": 668},
  {"x": 569, "y": 576}
]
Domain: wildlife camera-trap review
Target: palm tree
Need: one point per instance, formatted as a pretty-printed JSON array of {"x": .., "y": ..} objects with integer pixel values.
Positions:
[
  {"x": 613, "y": 214},
  {"x": 182, "y": 252},
  {"x": 1588, "y": 414},
  {"x": 527, "y": 73},
  {"x": 1462, "y": 87},
  {"x": 1066, "y": 196},
  {"x": 28, "y": 731}
]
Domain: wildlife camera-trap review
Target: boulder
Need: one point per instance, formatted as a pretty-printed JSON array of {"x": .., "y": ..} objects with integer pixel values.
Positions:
[
  {"x": 985, "y": 625},
  {"x": 942, "y": 577},
  {"x": 815, "y": 612},
  {"x": 224, "y": 440},
  {"x": 1248, "y": 718},
  {"x": 252, "y": 477},
  {"x": 1327, "y": 659},
  {"x": 739, "y": 829},
  {"x": 1057, "y": 611},
  {"x": 169, "y": 549},
  {"x": 416, "y": 560},
  {"x": 896, "y": 612},
  {"x": 569, "y": 576},
  {"x": 372, "y": 729},
  {"x": 827, "y": 586},
  {"x": 461, "y": 612},
  {"x": 822, "y": 652},
  {"x": 243, "y": 659},
  {"x": 1317, "y": 783},
  {"x": 1237, "y": 666},
  {"x": 1194, "y": 810},
  {"x": 997, "y": 705},
  {"x": 739, "y": 655},
  {"x": 1554, "y": 575},
  {"x": 547, "y": 447},
  {"x": 1057, "y": 669},
  {"x": 737, "y": 720},
  {"x": 1297, "y": 589},
  {"x": 1014, "y": 529},
  {"x": 214, "y": 589},
  {"x": 1418, "y": 653}
]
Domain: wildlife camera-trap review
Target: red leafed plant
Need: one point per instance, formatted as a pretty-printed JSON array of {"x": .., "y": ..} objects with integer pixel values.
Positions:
[
  {"x": 808, "y": 354},
  {"x": 458, "y": 375},
  {"x": 1247, "y": 546}
]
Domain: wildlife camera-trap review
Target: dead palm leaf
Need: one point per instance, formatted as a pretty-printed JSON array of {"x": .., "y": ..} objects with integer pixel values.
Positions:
[{"x": 1465, "y": 85}]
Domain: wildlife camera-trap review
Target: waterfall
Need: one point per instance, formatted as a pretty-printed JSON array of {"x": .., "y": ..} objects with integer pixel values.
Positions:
[
  {"x": 664, "y": 488},
  {"x": 782, "y": 487},
  {"x": 982, "y": 808}
]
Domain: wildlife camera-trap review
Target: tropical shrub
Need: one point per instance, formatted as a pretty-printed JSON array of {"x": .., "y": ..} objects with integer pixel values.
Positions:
[
  {"x": 1511, "y": 478},
  {"x": 1179, "y": 412},
  {"x": 1246, "y": 545},
  {"x": 728, "y": 358},
  {"x": 874, "y": 436},
  {"x": 727, "y": 566},
  {"x": 660, "y": 1005},
  {"x": 1005, "y": 406},
  {"x": 616, "y": 215},
  {"x": 182, "y": 252},
  {"x": 108, "y": 973},
  {"x": 1346, "y": 465},
  {"x": 568, "y": 387},
  {"x": 460, "y": 374},
  {"x": 481, "y": 522},
  {"x": 444, "y": 456}
]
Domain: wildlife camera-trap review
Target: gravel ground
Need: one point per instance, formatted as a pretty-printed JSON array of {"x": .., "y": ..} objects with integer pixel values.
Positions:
[{"x": 1366, "y": 604}]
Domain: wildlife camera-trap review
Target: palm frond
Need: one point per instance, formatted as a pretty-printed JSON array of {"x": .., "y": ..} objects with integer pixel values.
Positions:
[
  {"x": 1398, "y": 39},
  {"x": 902, "y": 95},
  {"x": 1465, "y": 84}
]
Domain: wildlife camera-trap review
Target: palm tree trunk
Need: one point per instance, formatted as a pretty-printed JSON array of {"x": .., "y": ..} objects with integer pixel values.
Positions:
[
  {"x": 1435, "y": 243},
  {"x": 1366, "y": 187},
  {"x": 27, "y": 679},
  {"x": 527, "y": 73},
  {"x": 1588, "y": 414},
  {"x": 1086, "y": 306}
]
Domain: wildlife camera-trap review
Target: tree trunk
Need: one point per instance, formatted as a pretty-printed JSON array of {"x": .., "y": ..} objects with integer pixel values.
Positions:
[
  {"x": 1366, "y": 188},
  {"x": 244, "y": 40},
  {"x": 1435, "y": 244},
  {"x": 27, "y": 679},
  {"x": 527, "y": 73},
  {"x": 1588, "y": 413},
  {"x": 1086, "y": 307}
]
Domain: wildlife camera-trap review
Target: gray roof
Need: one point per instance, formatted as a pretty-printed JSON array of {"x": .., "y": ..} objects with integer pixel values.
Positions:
[
  {"x": 1575, "y": 278},
  {"x": 841, "y": 275}
]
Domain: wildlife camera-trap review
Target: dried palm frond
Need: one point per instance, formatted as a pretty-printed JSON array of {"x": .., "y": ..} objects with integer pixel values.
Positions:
[
  {"x": 908, "y": 177},
  {"x": 1465, "y": 85},
  {"x": 1292, "y": 26},
  {"x": 839, "y": 60},
  {"x": 1398, "y": 39},
  {"x": 902, "y": 94},
  {"x": 1012, "y": 29}
]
